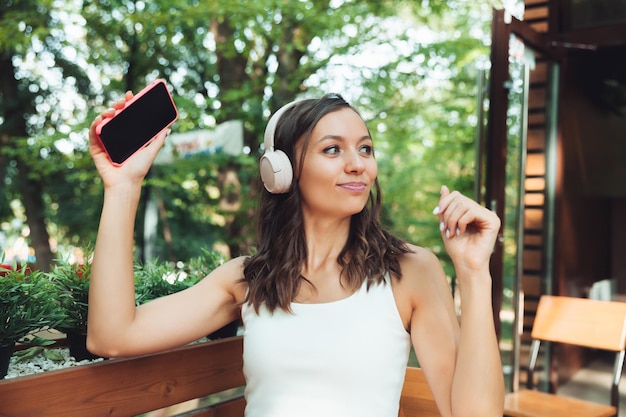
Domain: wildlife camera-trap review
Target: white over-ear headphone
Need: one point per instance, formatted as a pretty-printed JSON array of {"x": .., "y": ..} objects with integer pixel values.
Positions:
[{"x": 276, "y": 171}]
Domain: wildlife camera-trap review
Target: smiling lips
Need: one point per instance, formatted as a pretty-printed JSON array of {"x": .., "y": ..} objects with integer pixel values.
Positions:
[{"x": 354, "y": 186}]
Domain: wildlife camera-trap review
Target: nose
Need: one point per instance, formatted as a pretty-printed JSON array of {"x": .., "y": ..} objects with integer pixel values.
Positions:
[{"x": 354, "y": 162}]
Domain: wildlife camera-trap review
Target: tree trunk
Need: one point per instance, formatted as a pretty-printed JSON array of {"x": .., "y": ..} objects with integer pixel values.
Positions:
[
  {"x": 34, "y": 206},
  {"x": 14, "y": 110}
]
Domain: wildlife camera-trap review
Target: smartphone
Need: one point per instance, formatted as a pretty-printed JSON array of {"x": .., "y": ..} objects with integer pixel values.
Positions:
[{"x": 147, "y": 114}]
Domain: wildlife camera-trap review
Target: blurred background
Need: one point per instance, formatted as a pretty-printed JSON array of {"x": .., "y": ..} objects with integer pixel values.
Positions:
[{"x": 410, "y": 67}]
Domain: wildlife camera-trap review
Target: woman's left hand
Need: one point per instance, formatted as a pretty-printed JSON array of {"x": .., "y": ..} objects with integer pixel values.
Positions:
[{"x": 469, "y": 230}]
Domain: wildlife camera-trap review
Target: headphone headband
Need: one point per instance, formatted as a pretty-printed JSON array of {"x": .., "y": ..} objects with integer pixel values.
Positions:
[{"x": 270, "y": 129}]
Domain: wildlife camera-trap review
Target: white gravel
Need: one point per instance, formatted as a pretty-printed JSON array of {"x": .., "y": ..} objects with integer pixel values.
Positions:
[{"x": 55, "y": 358}]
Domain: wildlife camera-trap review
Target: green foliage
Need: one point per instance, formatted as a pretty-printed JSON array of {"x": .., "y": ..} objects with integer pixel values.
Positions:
[
  {"x": 240, "y": 60},
  {"x": 21, "y": 22},
  {"x": 421, "y": 108},
  {"x": 26, "y": 355},
  {"x": 74, "y": 193},
  {"x": 200, "y": 200},
  {"x": 26, "y": 306},
  {"x": 157, "y": 279},
  {"x": 34, "y": 301},
  {"x": 71, "y": 291}
]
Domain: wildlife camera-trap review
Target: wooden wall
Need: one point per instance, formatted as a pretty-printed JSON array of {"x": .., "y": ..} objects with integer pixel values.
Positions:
[{"x": 590, "y": 194}]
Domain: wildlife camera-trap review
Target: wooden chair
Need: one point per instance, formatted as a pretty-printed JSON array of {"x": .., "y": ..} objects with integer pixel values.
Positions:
[{"x": 576, "y": 321}]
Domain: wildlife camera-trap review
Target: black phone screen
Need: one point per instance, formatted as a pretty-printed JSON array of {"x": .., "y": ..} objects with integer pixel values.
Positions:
[{"x": 141, "y": 121}]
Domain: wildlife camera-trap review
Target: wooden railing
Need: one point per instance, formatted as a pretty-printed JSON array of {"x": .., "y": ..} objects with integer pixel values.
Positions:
[{"x": 133, "y": 386}]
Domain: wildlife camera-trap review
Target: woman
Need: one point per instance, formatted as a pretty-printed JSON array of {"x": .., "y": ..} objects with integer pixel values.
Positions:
[{"x": 331, "y": 303}]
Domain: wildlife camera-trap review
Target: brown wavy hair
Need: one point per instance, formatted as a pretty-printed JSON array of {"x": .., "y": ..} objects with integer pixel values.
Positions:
[{"x": 274, "y": 273}]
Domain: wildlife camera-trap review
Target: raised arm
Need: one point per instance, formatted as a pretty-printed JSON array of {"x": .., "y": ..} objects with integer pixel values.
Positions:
[
  {"x": 469, "y": 232},
  {"x": 463, "y": 364},
  {"x": 115, "y": 326}
]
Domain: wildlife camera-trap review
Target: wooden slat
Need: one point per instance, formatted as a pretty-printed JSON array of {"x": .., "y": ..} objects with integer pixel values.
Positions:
[
  {"x": 533, "y": 219},
  {"x": 535, "y": 3},
  {"x": 126, "y": 387},
  {"x": 580, "y": 321},
  {"x": 537, "y": 139},
  {"x": 417, "y": 399},
  {"x": 231, "y": 408},
  {"x": 540, "y": 73},
  {"x": 532, "y": 259},
  {"x": 540, "y": 27},
  {"x": 531, "y": 285},
  {"x": 536, "y": 164},
  {"x": 536, "y": 13},
  {"x": 533, "y": 239},
  {"x": 534, "y": 199},
  {"x": 529, "y": 403},
  {"x": 537, "y": 98},
  {"x": 535, "y": 184}
]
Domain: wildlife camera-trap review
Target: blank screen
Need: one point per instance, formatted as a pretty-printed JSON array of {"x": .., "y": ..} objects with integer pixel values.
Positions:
[{"x": 141, "y": 121}]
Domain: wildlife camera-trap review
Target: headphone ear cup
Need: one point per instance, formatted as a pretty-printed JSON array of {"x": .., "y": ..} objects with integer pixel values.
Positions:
[{"x": 276, "y": 171}]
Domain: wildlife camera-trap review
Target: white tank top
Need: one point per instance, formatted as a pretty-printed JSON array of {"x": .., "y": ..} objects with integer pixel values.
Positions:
[{"x": 345, "y": 358}]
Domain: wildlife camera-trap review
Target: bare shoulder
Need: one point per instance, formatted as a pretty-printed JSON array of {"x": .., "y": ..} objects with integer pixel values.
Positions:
[
  {"x": 419, "y": 256},
  {"x": 420, "y": 266},
  {"x": 423, "y": 281},
  {"x": 229, "y": 277},
  {"x": 233, "y": 267}
]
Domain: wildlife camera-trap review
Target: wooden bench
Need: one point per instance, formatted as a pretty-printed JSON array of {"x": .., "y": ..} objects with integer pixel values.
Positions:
[{"x": 130, "y": 387}]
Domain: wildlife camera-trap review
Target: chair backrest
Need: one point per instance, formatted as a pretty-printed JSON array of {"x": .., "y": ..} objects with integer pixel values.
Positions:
[{"x": 581, "y": 321}]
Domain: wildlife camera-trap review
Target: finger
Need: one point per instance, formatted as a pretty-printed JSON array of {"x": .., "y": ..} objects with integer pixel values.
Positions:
[
  {"x": 464, "y": 221},
  {"x": 452, "y": 219},
  {"x": 445, "y": 196},
  {"x": 453, "y": 207},
  {"x": 120, "y": 104},
  {"x": 160, "y": 139},
  {"x": 111, "y": 111},
  {"x": 156, "y": 143},
  {"x": 92, "y": 128},
  {"x": 96, "y": 122},
  {"x": 443, "y": 192}
]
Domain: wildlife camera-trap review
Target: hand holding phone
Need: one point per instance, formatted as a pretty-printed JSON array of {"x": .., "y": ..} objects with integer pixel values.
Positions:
[{"x": 135, "y": 125}]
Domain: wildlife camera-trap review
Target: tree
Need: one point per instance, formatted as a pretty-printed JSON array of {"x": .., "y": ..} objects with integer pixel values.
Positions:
[
  {"x": 26, "y": 106},
  {"x": 241, "y": 60}
]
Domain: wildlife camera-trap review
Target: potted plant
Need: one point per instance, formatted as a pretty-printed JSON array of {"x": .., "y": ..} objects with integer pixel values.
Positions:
[
  {"x": 71, "y": 288},
  {"x": 159, "y": 278},
  {"x": 26, "y": 307}
]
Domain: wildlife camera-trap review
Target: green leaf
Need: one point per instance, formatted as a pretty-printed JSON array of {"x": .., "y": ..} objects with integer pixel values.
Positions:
[
  {"x": 27, "y": 354},
  {"x": 53, "y": 355}
]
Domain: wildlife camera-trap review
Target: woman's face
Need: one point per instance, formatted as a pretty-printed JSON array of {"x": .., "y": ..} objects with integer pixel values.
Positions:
[{"x": 339, "y": 167}]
